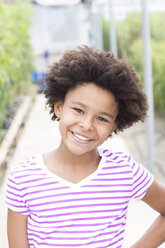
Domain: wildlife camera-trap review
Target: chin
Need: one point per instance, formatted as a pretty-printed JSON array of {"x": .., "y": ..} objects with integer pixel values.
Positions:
[{"x": 80, "y": 151}]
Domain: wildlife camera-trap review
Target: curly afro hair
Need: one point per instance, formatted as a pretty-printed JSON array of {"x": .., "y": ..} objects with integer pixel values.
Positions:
[{"x": 86, "y": 65}]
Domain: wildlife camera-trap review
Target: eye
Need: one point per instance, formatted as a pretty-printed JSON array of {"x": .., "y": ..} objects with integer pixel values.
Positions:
[
  {"x": 102, "y": 119},
  {"x": 78, "y": 110}
]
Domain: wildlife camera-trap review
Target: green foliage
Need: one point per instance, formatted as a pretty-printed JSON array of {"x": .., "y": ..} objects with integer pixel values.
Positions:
[
  {"x": 158, "y": 65},
  {"x": 157, "y": 22},
  {"x": 129, "y": 35},
  {"x": 105, "y": 26},
  {"x": 15, "y": 52},
  {"x": 128, "y": 32}
]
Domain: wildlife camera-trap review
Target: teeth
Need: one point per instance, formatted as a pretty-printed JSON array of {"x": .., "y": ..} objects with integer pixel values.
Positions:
[{"x": 80, "y": 137}]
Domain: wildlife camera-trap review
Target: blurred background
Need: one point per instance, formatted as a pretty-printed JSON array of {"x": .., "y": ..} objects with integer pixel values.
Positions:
[{"x": 34, "y": 34}]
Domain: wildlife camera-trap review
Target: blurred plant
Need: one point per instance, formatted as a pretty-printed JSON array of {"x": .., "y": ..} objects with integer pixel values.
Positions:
[
  {"x": 105, "y": 26},
  {"x": 15, "y": 52},
  {"x": 158, "y": 65},
  {"x": 129, "y": 36}
]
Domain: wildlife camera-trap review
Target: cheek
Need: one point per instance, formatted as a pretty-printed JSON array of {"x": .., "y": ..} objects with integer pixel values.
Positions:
[
  {"x": 67, "y": 119},
  {"x": 104, "y": 132}
]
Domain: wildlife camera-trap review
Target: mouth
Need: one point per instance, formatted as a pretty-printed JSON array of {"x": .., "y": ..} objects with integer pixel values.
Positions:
[{"x": 80, "y": 137}]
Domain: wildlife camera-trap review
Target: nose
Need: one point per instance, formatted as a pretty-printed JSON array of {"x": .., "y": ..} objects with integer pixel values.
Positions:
[{"x": 86, "y": 123}]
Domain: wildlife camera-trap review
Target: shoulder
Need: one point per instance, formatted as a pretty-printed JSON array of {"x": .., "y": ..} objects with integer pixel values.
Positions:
[
  {"x": 25, "y": 173},
  {"x": 123, "y": 161},
  {"x": 123, "y": 164},
  {"x": 117, "y": 157},
  {"x": 28, "y": 165}
]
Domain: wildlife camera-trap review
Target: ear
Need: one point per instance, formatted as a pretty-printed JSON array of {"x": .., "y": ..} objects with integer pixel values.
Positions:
[
  {"x": 58, "y": 108},
  {"x": 114, "y": 127}
]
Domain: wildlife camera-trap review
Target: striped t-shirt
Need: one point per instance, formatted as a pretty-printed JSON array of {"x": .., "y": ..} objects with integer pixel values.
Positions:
[{"x": 89, "y": 214}]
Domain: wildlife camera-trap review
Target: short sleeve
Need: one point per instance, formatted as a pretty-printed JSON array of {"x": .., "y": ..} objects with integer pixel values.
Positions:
[
  {"x": 142, "y": 180},
  {"x": 14, "y": 197}
]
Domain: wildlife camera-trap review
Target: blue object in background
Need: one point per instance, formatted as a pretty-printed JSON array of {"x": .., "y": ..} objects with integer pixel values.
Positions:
[
  {"x": 34, "y": 76},
  {"x": 39, "y": 79},
  {"x": 37, "y": 76},
  {"x": 46, "y": 54}
]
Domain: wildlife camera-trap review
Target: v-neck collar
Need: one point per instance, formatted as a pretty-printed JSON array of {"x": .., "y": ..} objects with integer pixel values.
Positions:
[{"x": 65, "y": 182}]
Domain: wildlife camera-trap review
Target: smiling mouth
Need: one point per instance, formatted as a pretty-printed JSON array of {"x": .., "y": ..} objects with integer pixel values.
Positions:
[{"x": 80, "y": 137}]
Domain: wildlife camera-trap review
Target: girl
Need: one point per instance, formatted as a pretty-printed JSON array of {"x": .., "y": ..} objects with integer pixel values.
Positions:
[{"x": 78, "y": 194}]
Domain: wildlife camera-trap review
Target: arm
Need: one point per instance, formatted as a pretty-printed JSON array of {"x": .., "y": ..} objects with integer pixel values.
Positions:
[
  {"x": 17, "y": 230},
  {"x": 155, "y": 235}
]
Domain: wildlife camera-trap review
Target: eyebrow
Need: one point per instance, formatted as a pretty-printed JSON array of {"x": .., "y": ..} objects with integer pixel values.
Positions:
[
  {"x": 80, "y": 103},
  {"x": 83, "y": 105},
  {"x": 107, "y": 114}
]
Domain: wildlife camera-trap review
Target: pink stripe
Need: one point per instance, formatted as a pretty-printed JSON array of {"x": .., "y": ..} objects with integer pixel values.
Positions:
[
  {"x": 10, "y": 180},
  {"x": 114, "y": 167},
  {"x": 120, "y": 161},
  {"x": 125, "y": 156},
  {"x": 140, "y": 182},
  {"x": 75, "y": 238},
  {"x": 74, "y": 225},
  {"x": 142, "y": 188},
  {"x": 11, "y": 187},
  {"x": 80, "y": 212},
  {"x": 114, "y": 173},
  {"x": 110, "y": 191},
  {"x": 76, "y": 245},
  {"x": 138, "y": 179},
  {"x": 66, "y": 232},
  {"x": 95, "y": 242},
  {"x": 34, "y": 180},
  {"x": 129, "y": 158},
  {"x": 133, "y": 165},
  {"x": 11, "y": 193},
  {"x": 73, "y": 219},
  {"x": 29, "y": 175},
  {"x": 41, "y": 185},
  {"x": 122, "y": 216},
  {"x": 81, "y": 193},
  {"x": 111, "y": 179},
  {"x": 109, "y": 155},
  {"x": 81, "y": 199},
  {"x": 45, "y": 190},
  {"x": 119, "y": 233},
  {"x": 25, "y": 170},
  {"x": 136, "y": 171},
  {"x": 82, "y": 205},
  {"x": 12, "y": 199},
  {"x": 104, "y": 185},
  {"x": 115, "y": 157},
  {"x": 12, "y": 205}
]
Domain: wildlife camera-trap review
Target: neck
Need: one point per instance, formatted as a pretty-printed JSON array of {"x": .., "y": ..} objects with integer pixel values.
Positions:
[
  {"x": 70, "y": 159},
  {"x": 71, "y": 167}
]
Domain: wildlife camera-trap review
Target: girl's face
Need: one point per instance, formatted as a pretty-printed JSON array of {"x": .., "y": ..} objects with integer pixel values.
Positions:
[{"x": 87, "y": 118}]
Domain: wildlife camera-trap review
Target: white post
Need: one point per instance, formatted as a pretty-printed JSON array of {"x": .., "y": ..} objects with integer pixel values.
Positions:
[
  {"x": 97, "y": 26},
  {"x": 112, "y": 29},
  {"x": 147, "y": 66}
]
